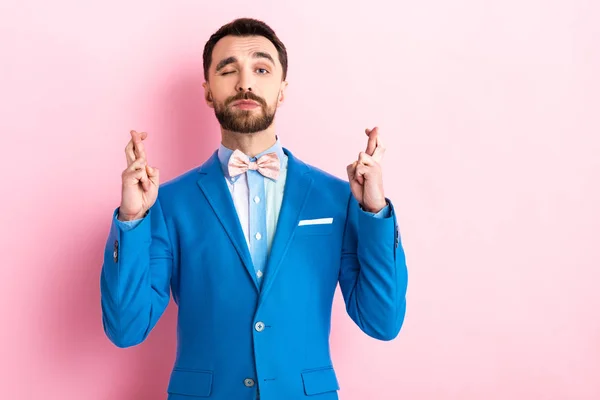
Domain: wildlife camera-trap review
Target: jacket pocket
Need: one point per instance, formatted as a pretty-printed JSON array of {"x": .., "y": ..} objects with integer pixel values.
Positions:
[
  {"x": 321, "y": 380},
  {"x": 317, "y": 229},
  {"x": 190, "y": 382}
]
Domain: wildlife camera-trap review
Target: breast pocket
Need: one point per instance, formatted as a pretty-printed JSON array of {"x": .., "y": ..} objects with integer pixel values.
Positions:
[{"x": 314, "y": 229}]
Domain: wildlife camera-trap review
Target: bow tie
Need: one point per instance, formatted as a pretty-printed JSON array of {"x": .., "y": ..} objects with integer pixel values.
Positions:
[{"x": 268, "y": 164}]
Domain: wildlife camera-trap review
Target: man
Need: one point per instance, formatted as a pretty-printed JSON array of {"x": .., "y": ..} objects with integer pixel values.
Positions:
[{"x": 252, "y": 244}]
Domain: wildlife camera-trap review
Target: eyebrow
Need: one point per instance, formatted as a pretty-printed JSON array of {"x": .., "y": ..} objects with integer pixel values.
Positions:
[{"x": 231, "y": 60}]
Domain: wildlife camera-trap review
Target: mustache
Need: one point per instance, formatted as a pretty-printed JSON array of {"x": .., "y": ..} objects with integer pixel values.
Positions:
[{"x": 246, "y": 96}]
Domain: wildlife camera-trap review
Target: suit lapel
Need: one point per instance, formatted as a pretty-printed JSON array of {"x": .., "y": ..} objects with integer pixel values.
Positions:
[
  {"x": 213, "y": 185},
  {"x": 297, "y": 187}
]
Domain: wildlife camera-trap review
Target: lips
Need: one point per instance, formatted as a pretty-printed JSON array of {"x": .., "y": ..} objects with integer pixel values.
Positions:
[{"x": 245, "y": 103}]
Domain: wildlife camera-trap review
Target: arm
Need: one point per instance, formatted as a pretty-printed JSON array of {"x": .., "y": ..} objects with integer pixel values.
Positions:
[
  {"x": 373, "y": 275},
  {"x": 135, "y": 277}
]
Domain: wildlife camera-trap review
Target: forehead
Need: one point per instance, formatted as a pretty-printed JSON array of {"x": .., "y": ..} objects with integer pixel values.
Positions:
[{"x": 241, "y": 47}]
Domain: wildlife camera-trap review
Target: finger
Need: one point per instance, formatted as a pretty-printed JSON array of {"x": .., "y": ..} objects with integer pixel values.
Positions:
[
  {"x": 153, "y": 175},
  {"x": 378, "y": 153},
  {"x": 372, "y": 143},
  {"x": 361, "y": 170},
  {"x": 365, "y": 159},
  {"x": 140, "y": 150},
  {"x": 350, "y": 170},
  {"x": 145, "y": 181},
  {"x": 141, "y": 135},
  {"x": 129, "y": 154},
  {"x": 135, "y": 177},
  {"x": 130, "y": 149},
  {"x": 379, "y": 140},
  {"x": 137, "y": 165},
  {"x": 138, "y": 146},
  {"x": 151, "y": 171}
]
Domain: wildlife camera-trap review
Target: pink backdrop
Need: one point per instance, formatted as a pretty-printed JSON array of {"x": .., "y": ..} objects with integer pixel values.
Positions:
[{"x": 490, "y": 111}]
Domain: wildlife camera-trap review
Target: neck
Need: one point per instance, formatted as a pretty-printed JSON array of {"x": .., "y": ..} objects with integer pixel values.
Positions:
[{"x": 250, "y": 144}]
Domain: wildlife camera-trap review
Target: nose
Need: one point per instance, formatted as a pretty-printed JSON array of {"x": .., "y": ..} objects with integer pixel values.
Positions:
[
  {"x": 242, "y": 88},
  {"x": 245, "y": 82}
]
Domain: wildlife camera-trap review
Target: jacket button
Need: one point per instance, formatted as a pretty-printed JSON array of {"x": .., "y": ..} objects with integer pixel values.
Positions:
[
  {"x": 249, "y": 382},
  {"x": 259, "y": 326},
  {"x": 116, "y": 251}
]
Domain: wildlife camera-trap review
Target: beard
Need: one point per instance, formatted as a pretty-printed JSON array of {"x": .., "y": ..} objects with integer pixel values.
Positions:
[{"x": 244, "y": 121}]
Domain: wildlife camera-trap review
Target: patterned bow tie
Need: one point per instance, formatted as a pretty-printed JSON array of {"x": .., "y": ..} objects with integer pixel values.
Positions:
[{"x": 268, "y": 165}]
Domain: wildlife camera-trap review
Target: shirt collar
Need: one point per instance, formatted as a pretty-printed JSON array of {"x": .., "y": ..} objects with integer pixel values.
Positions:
[{"x": 225, "y": 153}]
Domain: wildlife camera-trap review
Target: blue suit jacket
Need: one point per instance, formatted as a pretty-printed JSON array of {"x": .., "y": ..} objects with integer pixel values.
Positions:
[{"x": 231, "y": 336}]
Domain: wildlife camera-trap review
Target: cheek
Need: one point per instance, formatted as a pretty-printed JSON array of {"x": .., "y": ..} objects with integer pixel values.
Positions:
[
  {"x": 222, "y": 89},
  {"x": 274, "y": 93}
]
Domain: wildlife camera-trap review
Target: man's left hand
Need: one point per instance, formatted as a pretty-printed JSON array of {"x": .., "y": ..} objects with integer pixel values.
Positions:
[{"x": 365, "y": 175}]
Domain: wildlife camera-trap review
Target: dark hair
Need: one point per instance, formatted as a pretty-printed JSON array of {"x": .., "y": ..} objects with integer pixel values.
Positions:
[{"x": 244, "y": 27}]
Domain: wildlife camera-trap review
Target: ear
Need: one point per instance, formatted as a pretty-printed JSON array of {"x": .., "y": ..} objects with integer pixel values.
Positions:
[
  {"x": 282, "y": 89},
  {"x": 208, "y": 95}
]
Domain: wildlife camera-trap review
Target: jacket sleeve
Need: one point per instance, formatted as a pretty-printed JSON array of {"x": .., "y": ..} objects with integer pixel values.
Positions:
[
  {"x": 135, "y": 278},
  {"x": 373, "y": 275}
]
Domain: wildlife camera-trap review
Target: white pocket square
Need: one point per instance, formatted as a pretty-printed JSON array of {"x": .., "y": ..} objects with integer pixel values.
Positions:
[{"x": 318, "y": 221}]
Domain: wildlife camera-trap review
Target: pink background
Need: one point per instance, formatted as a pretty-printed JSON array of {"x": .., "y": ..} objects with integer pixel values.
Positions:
[{"x": 491, "y": 114}]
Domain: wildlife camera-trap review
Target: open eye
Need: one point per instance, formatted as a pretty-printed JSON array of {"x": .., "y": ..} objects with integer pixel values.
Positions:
[{"x": 262, "y": 71}]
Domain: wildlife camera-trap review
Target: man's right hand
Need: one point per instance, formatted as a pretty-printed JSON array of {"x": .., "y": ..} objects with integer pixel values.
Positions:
[{"x": 140, "y": 181}]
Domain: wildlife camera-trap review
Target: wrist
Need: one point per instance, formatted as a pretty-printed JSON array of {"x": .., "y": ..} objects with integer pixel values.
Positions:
[
  {"x": 374, "y": 209},
  {"x": 126, "y": 218}
]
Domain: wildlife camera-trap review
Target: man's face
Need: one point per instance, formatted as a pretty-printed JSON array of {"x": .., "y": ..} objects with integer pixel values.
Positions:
[{"x": 245, "y": 84}]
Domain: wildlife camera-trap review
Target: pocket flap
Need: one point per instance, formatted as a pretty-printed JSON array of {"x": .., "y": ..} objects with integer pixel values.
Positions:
[
  {"x": 191, "y": 383},
  {"x": 318, "y": 381}
]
